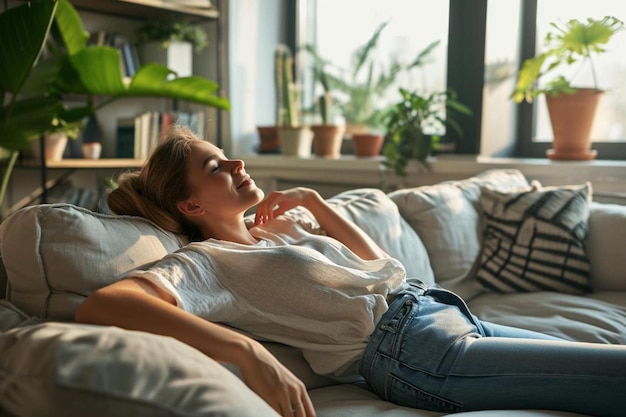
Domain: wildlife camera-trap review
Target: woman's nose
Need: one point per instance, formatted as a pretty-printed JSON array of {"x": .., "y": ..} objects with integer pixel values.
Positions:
[{"x": 238, "y": 165}]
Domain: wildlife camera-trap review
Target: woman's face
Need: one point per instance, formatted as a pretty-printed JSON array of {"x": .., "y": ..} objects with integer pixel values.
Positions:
[{"x": 219, "y": 187}]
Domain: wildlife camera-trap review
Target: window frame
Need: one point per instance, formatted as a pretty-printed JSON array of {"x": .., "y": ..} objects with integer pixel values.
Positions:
[{"x": 465, "y": 75}]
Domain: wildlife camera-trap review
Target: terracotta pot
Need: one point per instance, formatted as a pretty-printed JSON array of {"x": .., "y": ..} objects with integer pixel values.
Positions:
[
  {"x": 268, "y": 139},
  {"x": 572, "y": 117},
  {"x": 327, "y": 140},
  {"x": 367, "y": 144},
  {"x": 295, "y": 141},
  {"x": 54, "y": 146}
]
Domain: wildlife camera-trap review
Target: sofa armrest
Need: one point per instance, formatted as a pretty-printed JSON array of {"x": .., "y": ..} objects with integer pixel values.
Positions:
[{"x": 605, "y": 246}]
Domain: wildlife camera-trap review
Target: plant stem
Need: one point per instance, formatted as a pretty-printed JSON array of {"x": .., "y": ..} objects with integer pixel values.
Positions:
[
  {"x": 5, "y": 179},
  {"x": 593, "y": 72}
]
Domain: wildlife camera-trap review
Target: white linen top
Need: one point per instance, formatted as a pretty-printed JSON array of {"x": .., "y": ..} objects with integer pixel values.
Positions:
[{"x": 298, "y": 288}]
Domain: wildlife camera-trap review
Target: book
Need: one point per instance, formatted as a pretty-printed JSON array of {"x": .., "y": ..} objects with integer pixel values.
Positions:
[{"x": 125, "y": 145}]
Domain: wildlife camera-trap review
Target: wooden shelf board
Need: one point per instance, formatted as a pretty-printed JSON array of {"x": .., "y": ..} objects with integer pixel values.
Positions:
[
  {"x": 147, "y": 9},
  {"x": 104, "y": 163}
]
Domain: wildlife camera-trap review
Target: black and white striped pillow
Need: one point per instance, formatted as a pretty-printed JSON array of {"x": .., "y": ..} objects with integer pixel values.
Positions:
[{"x": 534, "y": 239}]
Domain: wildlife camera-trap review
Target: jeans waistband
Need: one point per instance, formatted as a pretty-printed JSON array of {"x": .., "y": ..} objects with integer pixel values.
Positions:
[{"x": 415, "y": 288}]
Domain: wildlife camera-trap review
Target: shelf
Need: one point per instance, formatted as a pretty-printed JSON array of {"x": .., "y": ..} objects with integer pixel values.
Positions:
[
  {"x": 104, "y": 163},
  {"x": 148, "y": 9}
]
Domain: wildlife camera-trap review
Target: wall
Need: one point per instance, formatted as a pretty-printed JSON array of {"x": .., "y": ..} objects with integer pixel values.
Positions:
[{"x": 255, "y": 29}]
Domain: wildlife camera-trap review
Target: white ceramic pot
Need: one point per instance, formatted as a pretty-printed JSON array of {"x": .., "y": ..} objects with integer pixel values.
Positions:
[{"x": 296, "y": 141}]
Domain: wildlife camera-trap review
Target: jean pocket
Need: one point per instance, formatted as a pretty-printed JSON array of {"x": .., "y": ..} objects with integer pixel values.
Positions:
[{"x": 408, "y": 395}]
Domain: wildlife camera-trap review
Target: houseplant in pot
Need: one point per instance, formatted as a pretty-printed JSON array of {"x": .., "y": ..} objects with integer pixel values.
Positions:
[
  {"x": 33, "y": 87},
  {"x": 295, "y": 138},
  {"x": 327, "y": 136},
  {"x": 171, "y": 44},
  {"x": 361, "y": 88},
  {"x": 414, "y": 125},
  {"x": 571, "y": 108}
]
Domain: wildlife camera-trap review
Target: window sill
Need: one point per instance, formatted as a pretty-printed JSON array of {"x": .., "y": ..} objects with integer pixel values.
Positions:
[{"x": 276, "y": 171}]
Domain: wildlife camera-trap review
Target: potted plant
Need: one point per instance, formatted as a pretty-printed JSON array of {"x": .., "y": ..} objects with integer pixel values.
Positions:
[
  {"x": 414, "y": 125},
  {"x": 295, "y": 138},
  {"x": 327, "y": 136},
  {"x": 33, "y": 86},
  {"x": 571, "y": 109},
  {"x": 171, "y": 44},
  {"x": 363, "y": 86}
]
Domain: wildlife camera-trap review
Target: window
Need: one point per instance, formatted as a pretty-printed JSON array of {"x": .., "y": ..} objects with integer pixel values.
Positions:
[{"x": 482, "y": 45}]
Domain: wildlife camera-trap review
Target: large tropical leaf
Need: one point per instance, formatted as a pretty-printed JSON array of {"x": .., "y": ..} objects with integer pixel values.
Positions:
[
  {"x": 29, "y": 117},
  {"x": 27, "y": 27},
  {"x": 70, "y": 27},
  {"x": 153, "y": 80}
]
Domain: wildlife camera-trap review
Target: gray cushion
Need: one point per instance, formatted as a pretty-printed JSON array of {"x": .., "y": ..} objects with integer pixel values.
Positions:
[
  {"x": 62, "y": 369},
  {"x": 56, "y": 255},
  {"x": 447, "y": 219}
]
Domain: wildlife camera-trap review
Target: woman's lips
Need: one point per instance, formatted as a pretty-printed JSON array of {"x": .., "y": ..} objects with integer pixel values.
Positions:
[{"x": 246, "y": 182}]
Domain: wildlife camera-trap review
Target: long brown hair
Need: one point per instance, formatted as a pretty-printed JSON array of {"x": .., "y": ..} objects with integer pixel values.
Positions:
[{"x": 154, "y": 191}]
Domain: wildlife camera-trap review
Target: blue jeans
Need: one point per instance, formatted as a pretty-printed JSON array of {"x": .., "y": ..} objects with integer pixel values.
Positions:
[{"x": 429, "y": 352}]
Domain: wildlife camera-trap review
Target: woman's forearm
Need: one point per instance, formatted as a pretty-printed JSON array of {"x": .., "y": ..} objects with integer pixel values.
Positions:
[{"x": 136, "y": 305}]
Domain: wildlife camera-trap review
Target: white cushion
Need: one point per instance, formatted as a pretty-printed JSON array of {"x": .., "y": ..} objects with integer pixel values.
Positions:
[
  {"x": 447, "y": 219},
  {"x": 56, "y": 255},
  {"x": 61, "y": 369},
  {"x": 605, "y": 246}
]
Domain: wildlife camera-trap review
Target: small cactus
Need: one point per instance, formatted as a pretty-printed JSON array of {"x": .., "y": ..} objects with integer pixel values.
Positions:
[{"x": 287, "y": 93}]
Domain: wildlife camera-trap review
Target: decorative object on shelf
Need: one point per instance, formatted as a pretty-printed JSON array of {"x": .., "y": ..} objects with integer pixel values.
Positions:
[
  {"x": 54, "y": 145},
  {"x": 171, "y": 44},
  {"x": 571, "y": 109},
  {"x": 295, "y": 138},
  {"x": 92, "y": 150},
  {"x": 414, "y": 125},
  {"x": 72, "y": 68},
  {"x": 366, "y": 82}
]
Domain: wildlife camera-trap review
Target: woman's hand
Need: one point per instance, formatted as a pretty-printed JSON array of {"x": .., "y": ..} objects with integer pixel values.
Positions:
[
  {"x": 329, "y": 220},
  {"x": 274, "y": 383},
  {"x": 279, "y": 202}
]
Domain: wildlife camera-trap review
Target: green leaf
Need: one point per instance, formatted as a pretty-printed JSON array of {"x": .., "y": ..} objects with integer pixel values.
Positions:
[
  {"x": 99, "y": 70},
  {"x": 26, "y": 26},
  {"x": 70, "y": 27},
  {"x": 151, "y": 80},
  {"x": 29, "y": 118}
]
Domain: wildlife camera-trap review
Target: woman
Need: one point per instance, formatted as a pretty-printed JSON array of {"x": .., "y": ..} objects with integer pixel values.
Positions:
[{"x": 338, "y": 297}]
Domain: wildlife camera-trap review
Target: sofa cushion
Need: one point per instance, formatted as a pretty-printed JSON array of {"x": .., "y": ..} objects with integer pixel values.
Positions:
[
  {"x": 589, "y": 318},
  {"x": 534, "y": 239},
  {"x": 62, "y": 369},
  {"x": 55, "y": 255},
  {"x": 447, "y": 219},
  {"x": 374, "y": 212}
]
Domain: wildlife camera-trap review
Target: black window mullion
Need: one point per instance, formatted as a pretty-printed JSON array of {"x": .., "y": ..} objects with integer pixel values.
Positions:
[{"x": 466, "y": 69}]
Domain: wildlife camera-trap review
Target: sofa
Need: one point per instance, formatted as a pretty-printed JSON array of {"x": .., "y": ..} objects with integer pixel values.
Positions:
[{"x": 449, "y": 234}]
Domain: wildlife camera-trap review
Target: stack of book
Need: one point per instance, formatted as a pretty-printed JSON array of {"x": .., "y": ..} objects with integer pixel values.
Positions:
[
  {"x": 129, "y": 58},
  {"x": 138, "y": 136}
]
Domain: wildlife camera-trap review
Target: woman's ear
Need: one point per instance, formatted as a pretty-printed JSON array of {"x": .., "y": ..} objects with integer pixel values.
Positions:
[{"x": 189, "y": 208}]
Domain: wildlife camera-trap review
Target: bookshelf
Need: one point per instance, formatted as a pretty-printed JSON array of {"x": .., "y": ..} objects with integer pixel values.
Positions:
[{"x": 124, "y": 15}]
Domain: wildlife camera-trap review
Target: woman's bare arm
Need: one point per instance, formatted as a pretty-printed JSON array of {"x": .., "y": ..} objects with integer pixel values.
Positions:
[
  {"x": 332, "y": 222},
  {"x": 137, "y": 304}
]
